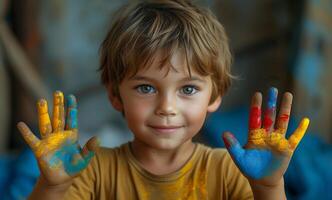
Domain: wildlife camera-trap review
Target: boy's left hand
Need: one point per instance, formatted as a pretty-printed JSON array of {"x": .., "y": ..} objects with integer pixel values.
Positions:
[{"x": 265, "y": 157}]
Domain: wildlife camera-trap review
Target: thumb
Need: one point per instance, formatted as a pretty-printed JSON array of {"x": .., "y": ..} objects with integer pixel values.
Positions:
[
  {"x": 90, "y": 148},
  {"x": 28, "y": 136},
  {"x": 233, "y": 146}
]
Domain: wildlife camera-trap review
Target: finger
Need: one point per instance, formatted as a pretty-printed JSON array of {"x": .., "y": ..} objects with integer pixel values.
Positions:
[
  {"x": 233, "y": 146},
  {"x": 58, "y": 122},
  {"x": 298, "y": 134},
  {"x": 28, "y": 136},
  {"x": 71, "y": 119},
  {"x": 90, "y": 148},
  {"x": 284, "y": 112},
  {"x": 270, "y": 112},
  {"x": 45, "y": 127},
  {"x": 255, "y": 121}
]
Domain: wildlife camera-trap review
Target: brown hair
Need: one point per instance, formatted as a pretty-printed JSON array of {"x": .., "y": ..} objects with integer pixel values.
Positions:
[{"x": 140, "y": 30}]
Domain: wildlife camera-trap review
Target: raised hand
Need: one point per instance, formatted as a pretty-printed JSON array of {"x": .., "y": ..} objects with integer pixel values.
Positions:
[
  {"x": 59, "y": 156},
  {"x": 265, "y": 157}
]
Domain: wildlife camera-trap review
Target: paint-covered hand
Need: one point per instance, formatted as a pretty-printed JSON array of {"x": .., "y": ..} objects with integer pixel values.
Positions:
[
  {"x": 59, "y": 156},
  {"x": 265, "y": 157}
]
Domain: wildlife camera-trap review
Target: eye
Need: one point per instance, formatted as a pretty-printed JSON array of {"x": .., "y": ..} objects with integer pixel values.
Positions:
[
  {"x": 189, "y": 90},
  {"x": 145, "y": 89}
]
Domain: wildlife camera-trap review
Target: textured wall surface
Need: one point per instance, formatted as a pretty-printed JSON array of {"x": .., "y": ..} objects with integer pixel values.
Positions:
[
  {"x": 314, "y": 68},
  {"x": 4, "y": 105},
  {"x": 71, "y": 33}
]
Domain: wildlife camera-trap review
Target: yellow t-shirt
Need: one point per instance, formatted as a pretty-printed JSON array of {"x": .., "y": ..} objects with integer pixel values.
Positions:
[{"x": 116, "y": 174}]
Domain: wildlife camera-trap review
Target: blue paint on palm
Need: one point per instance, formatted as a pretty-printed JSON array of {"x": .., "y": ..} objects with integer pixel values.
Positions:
[
  {"x": 69, "y": 156},
  {"x": 255, "y": 163}
]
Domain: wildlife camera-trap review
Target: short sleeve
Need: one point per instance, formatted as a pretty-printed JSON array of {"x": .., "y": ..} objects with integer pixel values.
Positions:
[
  {"x": 225, "y": 179},
  {"x": 237, "y": 185}
]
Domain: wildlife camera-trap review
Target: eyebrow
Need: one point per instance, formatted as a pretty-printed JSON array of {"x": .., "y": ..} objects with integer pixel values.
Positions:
[{"x": 144, "y": 78}]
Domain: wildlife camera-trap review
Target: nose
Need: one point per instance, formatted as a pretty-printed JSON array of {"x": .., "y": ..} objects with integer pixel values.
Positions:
[{"x": 167, "y": 106}]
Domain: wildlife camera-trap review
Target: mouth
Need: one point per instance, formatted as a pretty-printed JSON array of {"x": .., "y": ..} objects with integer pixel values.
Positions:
[{"x": 165, "y": 129}]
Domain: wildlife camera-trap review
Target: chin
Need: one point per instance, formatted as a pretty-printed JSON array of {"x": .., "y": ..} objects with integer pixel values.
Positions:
[{"x": 166, "y": 145}]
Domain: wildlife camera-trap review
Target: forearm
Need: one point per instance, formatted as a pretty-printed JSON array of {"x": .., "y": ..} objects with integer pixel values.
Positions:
[
  {"x": 43, "y": 191},
  {"x": 276, "y": 192}
]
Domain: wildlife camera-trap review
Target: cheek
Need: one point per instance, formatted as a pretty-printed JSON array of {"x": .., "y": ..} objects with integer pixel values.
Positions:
[
  {"x": 196, "y": 116},
  {"x": 136, "y": 112},
  {"x": 195, "y": 113}
]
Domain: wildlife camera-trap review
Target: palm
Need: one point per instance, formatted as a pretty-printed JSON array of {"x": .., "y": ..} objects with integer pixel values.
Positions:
[
  {"x": 264, "y": 164},
  {"x": 266, "y": 155},
  {"x": 59, "y": 156},
  {"x": 58, "y": 153}
]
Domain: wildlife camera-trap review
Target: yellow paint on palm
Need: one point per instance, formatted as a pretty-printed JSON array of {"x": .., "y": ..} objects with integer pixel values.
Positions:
[
  {"x": 276, "y": 140},
  {"x": 58, "y": 111},
  {"x": 257, "y": 137},
  {"x": 54, "y": 142},
  {"x": 283, "y": 145},
  {"x": 44, "y": 118}
]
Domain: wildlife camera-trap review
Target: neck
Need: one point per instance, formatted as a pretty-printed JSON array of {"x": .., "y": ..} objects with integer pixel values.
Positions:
[{"x": 162, "y": 161}]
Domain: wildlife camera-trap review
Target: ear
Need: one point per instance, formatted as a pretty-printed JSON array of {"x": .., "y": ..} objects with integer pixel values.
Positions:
[
  {"x": 214, "y": 105},
  {"x": 115, "y": 101}
]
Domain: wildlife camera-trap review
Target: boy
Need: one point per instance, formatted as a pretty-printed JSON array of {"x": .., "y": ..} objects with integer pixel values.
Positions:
[{"x": 166, "y": 64}]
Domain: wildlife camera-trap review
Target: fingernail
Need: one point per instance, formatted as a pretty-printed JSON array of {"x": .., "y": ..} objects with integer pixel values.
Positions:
[
  {"x": 71, "y": 100},
  {"x": 58, "y": 97},
  {"x": 305, "y": 122},
  {"x": 229, "y": 139}
]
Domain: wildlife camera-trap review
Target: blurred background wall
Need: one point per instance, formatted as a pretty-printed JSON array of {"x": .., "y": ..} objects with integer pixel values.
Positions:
[{"x": 53, "y": 45}]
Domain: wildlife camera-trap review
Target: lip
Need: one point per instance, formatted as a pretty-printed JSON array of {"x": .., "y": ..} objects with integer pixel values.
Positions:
[{"x": 165, "y": 129}]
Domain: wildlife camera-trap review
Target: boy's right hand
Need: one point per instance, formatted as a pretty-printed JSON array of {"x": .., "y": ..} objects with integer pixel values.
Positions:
[{"x": 59, "y": 156}]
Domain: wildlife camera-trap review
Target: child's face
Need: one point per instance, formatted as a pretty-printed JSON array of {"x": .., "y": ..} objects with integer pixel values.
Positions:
[{"x": 165, "y": 109}]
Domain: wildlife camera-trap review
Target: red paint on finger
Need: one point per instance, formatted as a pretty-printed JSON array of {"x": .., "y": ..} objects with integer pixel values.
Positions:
[
  {"x": 255, "y": 118},
  {"x": 227, "y": 144},
  {"x": 284, "y": 118},
  {"x": 268, "y": 122},
  {"x": 229, "y": 140}
]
